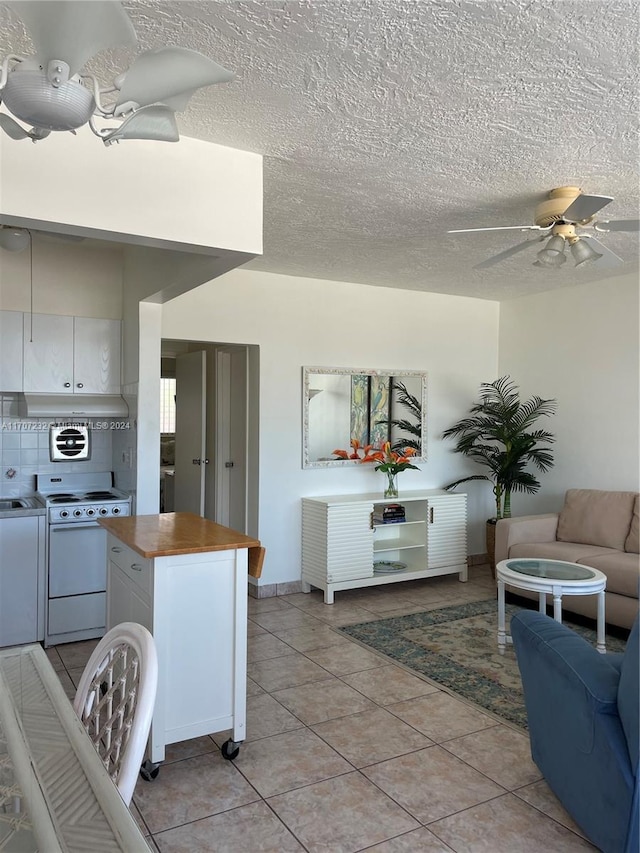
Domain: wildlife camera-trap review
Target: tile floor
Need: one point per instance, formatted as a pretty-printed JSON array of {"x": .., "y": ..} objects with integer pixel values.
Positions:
[{"x": 347, "y": 751}]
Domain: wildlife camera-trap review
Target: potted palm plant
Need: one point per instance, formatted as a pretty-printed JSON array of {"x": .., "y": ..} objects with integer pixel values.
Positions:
[{"x": 498, "y": 434}]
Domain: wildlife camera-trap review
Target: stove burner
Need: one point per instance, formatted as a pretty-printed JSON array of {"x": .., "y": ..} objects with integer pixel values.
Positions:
[
  {"x": 60, "y": 495},
  {"x": 100, "y": 496},
  {"x": 64, "y": 499}
]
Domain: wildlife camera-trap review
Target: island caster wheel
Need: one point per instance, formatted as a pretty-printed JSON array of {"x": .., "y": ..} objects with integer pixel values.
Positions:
[
  {"x": 230, "y": 749},
  {"x": 149, "y": 771}
]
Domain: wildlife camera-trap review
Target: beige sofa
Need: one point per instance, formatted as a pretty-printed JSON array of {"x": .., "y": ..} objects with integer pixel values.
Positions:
[{"x": 595, "y": 528}]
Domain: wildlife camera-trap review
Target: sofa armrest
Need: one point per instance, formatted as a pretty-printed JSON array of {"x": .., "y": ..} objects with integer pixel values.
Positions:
[{"x": 524, "y": 528}]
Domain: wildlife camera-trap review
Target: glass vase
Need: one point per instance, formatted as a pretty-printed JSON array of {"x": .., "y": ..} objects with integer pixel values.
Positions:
[{"x": 391, "y": 488}]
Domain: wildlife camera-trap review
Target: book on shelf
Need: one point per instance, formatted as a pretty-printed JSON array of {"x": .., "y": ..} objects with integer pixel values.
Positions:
[{"x": 389, "y": 514}]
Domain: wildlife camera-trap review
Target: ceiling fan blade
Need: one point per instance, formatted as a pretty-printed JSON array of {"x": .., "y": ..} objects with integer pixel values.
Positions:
[
  {"x": 12, "y": 128},
  {"x": 74, "y": 31},
  {"x": 630, "y": 225},
  {"x": 155, "y": 122},
  {"x": 513, "y": 250},
  {"x": 499, "y": 228},
  {"x": 159, "y": 75},
  {"x": 584, "y": 206},
  {"x": 608, "y": 260}
]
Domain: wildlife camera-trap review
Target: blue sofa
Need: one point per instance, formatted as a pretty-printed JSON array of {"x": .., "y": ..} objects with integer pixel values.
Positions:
[{"x": 584, "y": 726}]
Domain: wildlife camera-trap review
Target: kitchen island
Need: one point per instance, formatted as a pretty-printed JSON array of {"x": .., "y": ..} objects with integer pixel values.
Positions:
[{"x": 185, "y": 579}]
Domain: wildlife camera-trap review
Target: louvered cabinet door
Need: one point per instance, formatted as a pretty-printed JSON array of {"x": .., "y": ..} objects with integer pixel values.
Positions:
[
  {"x": 446, "y": 530},
  {"x": 337, "y": 542}
]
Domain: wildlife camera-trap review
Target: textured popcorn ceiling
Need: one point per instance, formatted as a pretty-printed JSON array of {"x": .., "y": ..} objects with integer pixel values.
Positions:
[{"x": 384, "y": 123}]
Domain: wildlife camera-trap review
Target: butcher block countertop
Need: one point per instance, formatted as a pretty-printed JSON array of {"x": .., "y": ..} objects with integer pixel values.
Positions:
[{"x": 171, "y": 533}]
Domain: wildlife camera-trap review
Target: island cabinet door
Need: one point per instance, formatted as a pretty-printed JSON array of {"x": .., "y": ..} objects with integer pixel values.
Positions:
[
  {"x": 337, "y": 541},
  {"x": 446, "y": 531}
]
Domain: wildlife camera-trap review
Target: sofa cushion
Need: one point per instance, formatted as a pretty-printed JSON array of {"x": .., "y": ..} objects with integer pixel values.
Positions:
[
  {"x": 595, "y": 517},
  {"x": 628, "y": 694},
  {"x": 622, "y": 571},
  {"x": 569, "y": 551},
  {"x": 632, "y": 542}
]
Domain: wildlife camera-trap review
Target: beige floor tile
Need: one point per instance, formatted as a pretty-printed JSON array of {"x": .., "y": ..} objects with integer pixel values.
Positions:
[
  {"x": 74, "y": 655},
  {"x": 266, "y": 716},
  {"x": 265, "y": 646},
  {"x": 441, "y": 717},
  {"x": 341, "y": 815},
  {"x": 289, "y": 671},
  {"x": 387, "y": 685},
  {"x": 283, "y": 762},
  {"x": 253, "y": 689},
  {"x": 323, "y": 700},
  {"x": 306, "y": 639},
  {"x": 191, "y": 789},
  {"x": 54, "y": 659},
  {"x": 304, "y": 599},
  {"x": 135, "y": 812},
  {"x": 267, "y": 605},
  {"x": 67, "y": 684},
  {"x": 345, "y": 658},
  {"x": 339, "y": 615},
  {"x": 432, "y": 783},
  {"x": 254, "y": 630},
  {"x": 285, "y": 620},
  {"x": 370, "y": 736},
  {"x": 501, "y": 753},
  {"x": 418, "y": 841},
  {"x": 188, "y": 749},
  {"x": 540, "y": 796},
  {"x": 76, "y": 674},
  {"x": 247, "y": 829},
  {"x": 505, "y": 825}
]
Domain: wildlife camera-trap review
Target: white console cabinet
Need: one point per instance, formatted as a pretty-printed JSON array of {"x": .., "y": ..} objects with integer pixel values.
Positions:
[{"x": 341, "y": 541}]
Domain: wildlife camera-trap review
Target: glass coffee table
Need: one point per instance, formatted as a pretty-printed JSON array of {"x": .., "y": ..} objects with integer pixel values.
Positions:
[{"x": 553, "y": 577}]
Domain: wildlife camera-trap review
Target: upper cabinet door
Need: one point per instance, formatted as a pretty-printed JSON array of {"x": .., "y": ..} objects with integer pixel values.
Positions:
[
  {"x": 10, "y": 351},
  {"x": 96, "y": 358},
  {"x": 48, "y": 353}
]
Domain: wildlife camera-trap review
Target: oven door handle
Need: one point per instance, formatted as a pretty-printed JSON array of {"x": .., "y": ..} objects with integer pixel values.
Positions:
[{"x": 73, "y": 525}]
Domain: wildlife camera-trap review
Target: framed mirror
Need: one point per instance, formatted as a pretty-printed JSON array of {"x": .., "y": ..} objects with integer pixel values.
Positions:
[{"x": 340, "y": 404}]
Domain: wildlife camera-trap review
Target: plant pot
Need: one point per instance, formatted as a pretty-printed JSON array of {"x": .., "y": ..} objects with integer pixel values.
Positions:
[{"x": 491, "y": 543}]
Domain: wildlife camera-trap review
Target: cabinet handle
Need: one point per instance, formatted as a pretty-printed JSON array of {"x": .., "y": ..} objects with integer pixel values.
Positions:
[
  {"x": 67, "y": 385},
  {"x": 80, "y": 385},
  {"x": 116, "y": 550},
  {"x": 136, "y": 567},
  {"x": 430, "y": 515},
  {"x": 371, "y": 525}
]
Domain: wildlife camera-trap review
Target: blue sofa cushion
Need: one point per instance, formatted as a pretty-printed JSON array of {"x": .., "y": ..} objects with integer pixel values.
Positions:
[{"x": 628, "y": 700}]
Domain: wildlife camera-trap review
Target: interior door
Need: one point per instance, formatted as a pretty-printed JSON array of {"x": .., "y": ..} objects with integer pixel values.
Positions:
[
  {"x": 231, "y": 438},
  {"x": 191, "y": 458}
]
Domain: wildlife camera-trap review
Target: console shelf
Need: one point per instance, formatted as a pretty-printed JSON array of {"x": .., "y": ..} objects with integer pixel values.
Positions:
[{"x": 340, "y": 540}]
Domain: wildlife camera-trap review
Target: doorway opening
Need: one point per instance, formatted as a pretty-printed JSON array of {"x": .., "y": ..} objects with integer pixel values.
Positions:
[{"x": 209, "y": 461}]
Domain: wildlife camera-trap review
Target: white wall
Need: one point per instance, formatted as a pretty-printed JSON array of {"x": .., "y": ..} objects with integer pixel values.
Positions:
[
  {"x": 297, "y": 321},
  {"x": 581, "y": 346}
]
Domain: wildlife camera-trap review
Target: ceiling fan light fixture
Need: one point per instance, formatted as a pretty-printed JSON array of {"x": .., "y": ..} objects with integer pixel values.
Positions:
[
  {"x": 553, "y": 253},
  {"x": 583, "y": 253},
  {"x": 13, "y": 239},
  {"x": 33, "y": 99}
]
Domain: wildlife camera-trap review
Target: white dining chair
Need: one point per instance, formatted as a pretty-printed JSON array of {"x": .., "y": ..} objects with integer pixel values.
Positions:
[{"x": 115, "y": 701}]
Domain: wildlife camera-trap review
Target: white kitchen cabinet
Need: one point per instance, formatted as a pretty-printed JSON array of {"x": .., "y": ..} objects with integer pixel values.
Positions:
[
  {"x": 10, "y": 351},
  {"x": 79, "y": 355},
  {"x": 22, "y": 579},
  {"x": 195, "y": 605},
  {"x": 341, "y": 542}
]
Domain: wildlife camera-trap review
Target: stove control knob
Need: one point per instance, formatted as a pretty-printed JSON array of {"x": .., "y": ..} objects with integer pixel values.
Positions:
[
  {"x": 64, "y": 513},
  {"x": 91, "y": 511},
  {"x": 116, "y": 510},
  {"x": 103, "y": 510},
  {"x": 77, "y": 513}
]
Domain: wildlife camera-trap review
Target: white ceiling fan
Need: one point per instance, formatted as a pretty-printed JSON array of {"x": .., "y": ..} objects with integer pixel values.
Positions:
[
  {"x": 50, "y": 91},
  {"x": 564, "y": 217}
]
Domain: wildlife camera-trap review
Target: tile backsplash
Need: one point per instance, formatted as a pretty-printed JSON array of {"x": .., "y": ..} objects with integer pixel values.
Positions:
[{"x": 24, "y": 450}]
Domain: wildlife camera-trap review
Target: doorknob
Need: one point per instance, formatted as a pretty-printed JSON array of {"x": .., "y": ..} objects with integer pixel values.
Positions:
[
  {"x": 197, "y": 461},
  {"x": 206, "y": 461}
]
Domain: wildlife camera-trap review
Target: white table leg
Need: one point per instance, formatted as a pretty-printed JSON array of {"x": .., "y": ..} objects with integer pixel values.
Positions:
[
  {"x": 557, "y": 603},
  {"x": 601, "y": 643},
  {"x": 542, "y": 602},
  {"x": 502, "y": 635}
]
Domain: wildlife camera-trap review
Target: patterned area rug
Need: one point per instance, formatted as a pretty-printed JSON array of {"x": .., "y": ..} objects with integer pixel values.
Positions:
[{"x": 457, "y": 648}]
